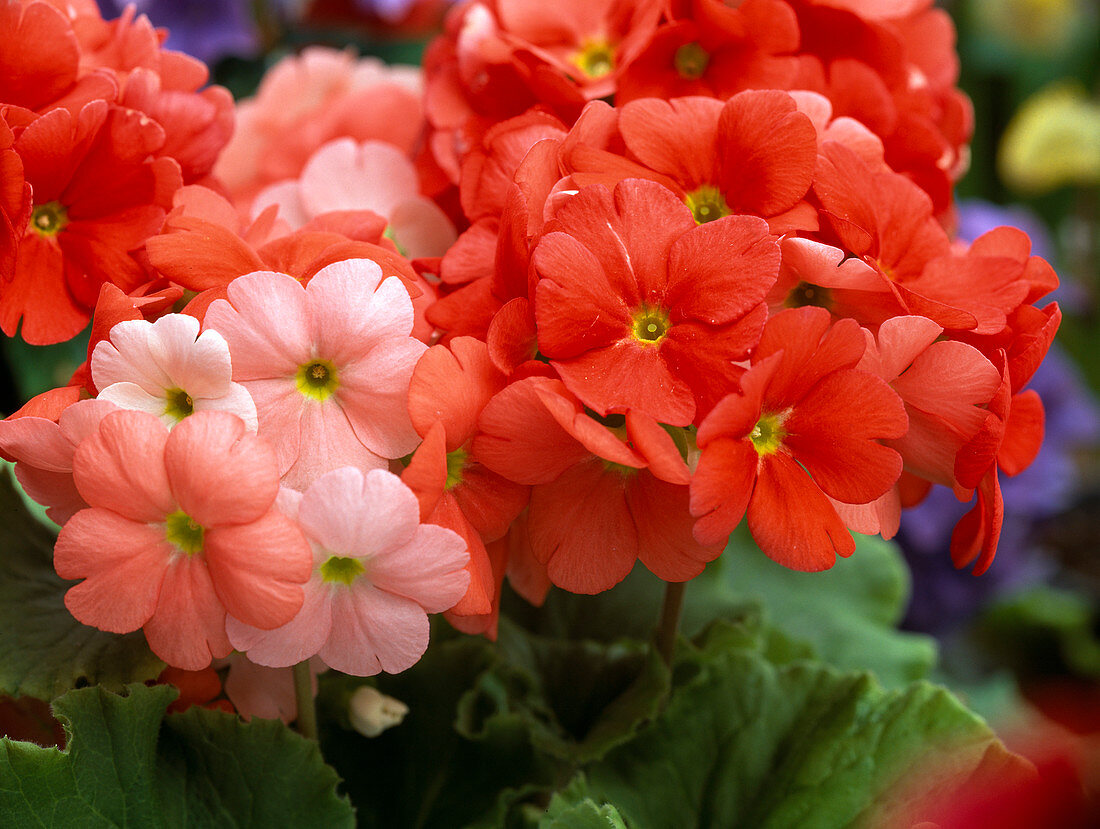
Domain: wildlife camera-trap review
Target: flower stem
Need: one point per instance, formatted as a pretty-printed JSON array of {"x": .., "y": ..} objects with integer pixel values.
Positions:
[
  {"x": 303, "y": 695},
  {"x": 670, "y": 620}
]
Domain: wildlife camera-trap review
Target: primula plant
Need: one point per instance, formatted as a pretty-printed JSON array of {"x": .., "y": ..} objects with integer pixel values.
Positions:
[{"x": 511, "y": 441}]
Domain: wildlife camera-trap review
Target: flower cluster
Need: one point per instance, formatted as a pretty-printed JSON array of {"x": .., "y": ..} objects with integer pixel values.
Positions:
[{"x": 584, "y": 334}]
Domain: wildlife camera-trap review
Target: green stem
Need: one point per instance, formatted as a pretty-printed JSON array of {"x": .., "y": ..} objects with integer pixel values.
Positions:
[
  {"x": 303, "y": 695},
  {"x": 669, "y": 628}
]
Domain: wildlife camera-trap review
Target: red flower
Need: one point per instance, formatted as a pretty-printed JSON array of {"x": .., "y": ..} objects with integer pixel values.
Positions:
[
  {"x": 639, "y": 308},
  {"x": 98, "y": 195},
  {"x": 449, "y": 388},
  {"x": 604, "y": 494},
  {"x": 804, "y": 426}
]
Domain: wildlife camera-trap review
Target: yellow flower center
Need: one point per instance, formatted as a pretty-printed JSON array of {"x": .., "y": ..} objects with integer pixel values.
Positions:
[
  {"x": 691, "y": 61},
  {"x": 48, "y": 219},
  {"x": 707, "y": 204},
  {"x": 456, "y": 462},
  {"x": 768, "y": 433},
  {"x": 317, "y": 379},
  {"x": 805, "y": 293},
  {"x": 341, "y": 569},
  {"x": 650, "y": 325},
  {"x": 596, "y": 58},
  {"x": 183, "y": 532},
  {"x": 179, "y": 404}
]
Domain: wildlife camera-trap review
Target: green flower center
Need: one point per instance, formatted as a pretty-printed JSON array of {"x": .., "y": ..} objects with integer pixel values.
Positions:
[
  {"x": 650, "y": 325},
  {"x": 596, "y": 59},
  {"x": 183, "y": 532},
  {"x": 804, "y": 294},
  {"x": 456, "y": 462},
  {"x": 707, "y": 204},
  {"x": 317, "y": 379},
  {"x": 48, "y": 219},
  {"x": 179, "y": 404},
  {"x": 768, "y": 433},
  {"x": 342, "y": 569},
  {"x": 691, "y": 61}
]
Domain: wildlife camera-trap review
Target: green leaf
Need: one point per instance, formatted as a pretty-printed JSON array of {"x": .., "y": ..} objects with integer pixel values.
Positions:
[
  {"x": 44, "y": 651},
  {"x": 577, "y": 699},
  {"x": 585, "y": 814},
  {"x": 127, "y": 765},
  {"x": 424, "y": 772},
  {"x": 848, "y": 614},
  {"x": 744, "y": 742}
]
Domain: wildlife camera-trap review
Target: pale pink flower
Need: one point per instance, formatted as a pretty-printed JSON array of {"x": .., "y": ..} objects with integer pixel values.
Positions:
[
  {"x": 168, "y": 369},
  {"x": 259, "y": 691},
  {"x": 307, "y": 100},
  {"x": 345, "y": 175},
  {"x": 377, "y": 574},
  {"x": 328, "y": 364},
  {"x": 182, "y": 526},
  {"x": 43, "y": 454}
]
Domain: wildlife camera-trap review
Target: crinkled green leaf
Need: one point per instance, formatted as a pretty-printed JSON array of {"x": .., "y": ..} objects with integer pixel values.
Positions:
[
  {"x": 744, "y": 742},
  {"x": 577, "y": 699},
  {"x": 585, "y": 814},
  {"x": 847, "y": 614},
  {"x": 127, "y": 765},
  {"x": 423, "y": 772},
  {"x": 44, "y": 651}
]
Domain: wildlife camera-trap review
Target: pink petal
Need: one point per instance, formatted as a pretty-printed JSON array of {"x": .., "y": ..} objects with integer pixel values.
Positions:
[
  {"x": 258, "y": 569},
  {"x": 352, "y": 513},
  {"x": 421, "y": 228},
  {"x": 374, "y": 395},
  {"x": 297, "y": 640},
  {"x": 374, "y": 631},
  {"x": 37, "y": 442},
  {"x": 122, "y": 563},
  {"x": 279, "y": 409},
  {"x": 133, "y": 397},
  {"x": 236, "y": 401},
  {"x": 188, "y": 628},
  {"x": 266, "y": 326},
  {"x": 220, "y": 472},
  {"x": 121, "y": 467},
  {"x": 328, "y": 442},
  {"x": 352, "y": 310},
  {"x": 345, "y": 176},
  {"x": 430, "y": 569},
  {"x": 288, "y": 197}
]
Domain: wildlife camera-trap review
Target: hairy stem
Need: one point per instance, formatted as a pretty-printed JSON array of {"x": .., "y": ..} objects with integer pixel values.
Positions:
[
  {"x": 303, "y": 695},
  {"x": 669, "y": 627}
]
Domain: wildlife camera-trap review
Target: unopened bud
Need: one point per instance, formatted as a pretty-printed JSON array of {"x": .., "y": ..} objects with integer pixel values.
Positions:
[{"x": 372, "y": 712}]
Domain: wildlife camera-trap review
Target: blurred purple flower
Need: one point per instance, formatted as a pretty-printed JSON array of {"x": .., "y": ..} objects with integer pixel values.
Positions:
[{"x": 205, "y": 29}]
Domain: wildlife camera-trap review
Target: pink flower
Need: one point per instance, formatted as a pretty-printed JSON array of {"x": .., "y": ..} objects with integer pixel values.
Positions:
[
  {"x": 43, "y": 454},
  {"x": 345, "y": 175},
  {"x": 328, "y": 365},
  {"x": 377, "y": 574},
  {"x": 309, "y": 99},
  {"x": 169, "y": 369},
  {"x": 181, "y": 528}
]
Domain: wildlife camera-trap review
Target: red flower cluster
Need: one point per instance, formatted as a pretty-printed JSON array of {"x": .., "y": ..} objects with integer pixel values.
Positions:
[
  {"x": 728, "y": 293},
  {"x": 99, "y": 126},
  {"x": 731, "y": 293}
]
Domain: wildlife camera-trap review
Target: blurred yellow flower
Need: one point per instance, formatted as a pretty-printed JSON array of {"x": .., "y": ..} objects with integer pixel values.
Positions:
[
  {"x": 1052, "y": 140},
  {"x": 1031, "y": 25}
]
